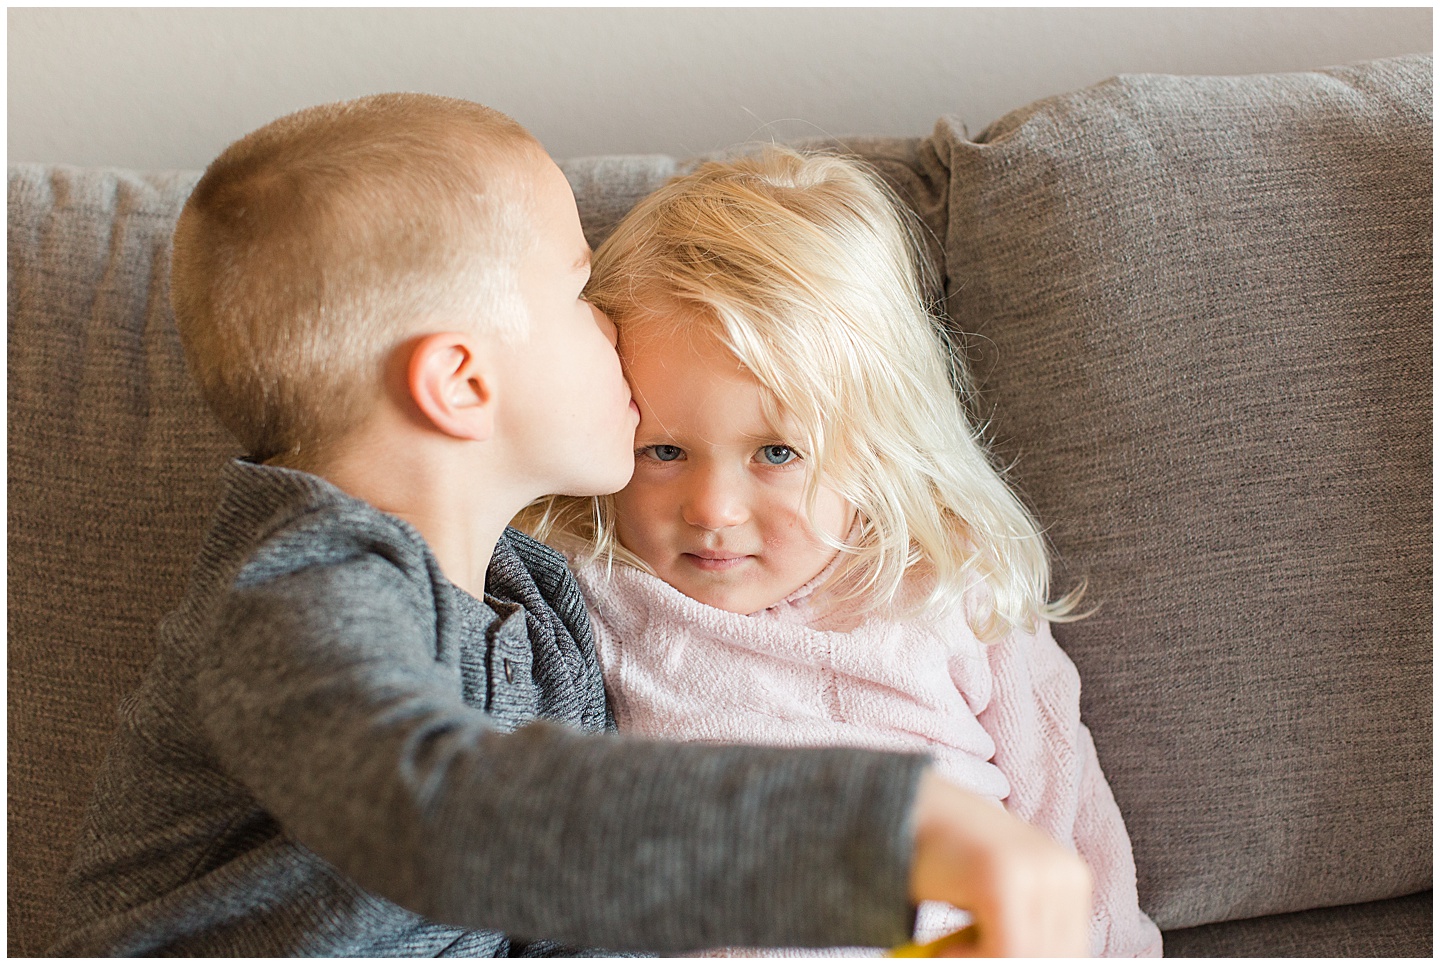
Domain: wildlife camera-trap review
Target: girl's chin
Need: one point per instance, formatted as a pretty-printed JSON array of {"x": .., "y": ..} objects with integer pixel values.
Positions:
[{"x": 743, "y": 603}]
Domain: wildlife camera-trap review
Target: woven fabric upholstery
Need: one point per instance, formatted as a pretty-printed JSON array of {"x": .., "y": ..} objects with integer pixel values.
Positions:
[
  {"x": 113, "y": 463},
  {"x": 1397, "y": 928},
  {"x": 1201, "y": 318}
]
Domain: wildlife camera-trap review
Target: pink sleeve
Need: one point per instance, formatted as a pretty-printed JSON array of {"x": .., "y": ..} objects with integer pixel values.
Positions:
[{"x": 1056, "y": 783}]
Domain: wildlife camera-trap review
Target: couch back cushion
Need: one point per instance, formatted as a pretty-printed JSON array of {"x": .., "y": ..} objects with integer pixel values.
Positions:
[
  {"x": 1201, "y": 319},
  {"x": 112, "y": 462}
]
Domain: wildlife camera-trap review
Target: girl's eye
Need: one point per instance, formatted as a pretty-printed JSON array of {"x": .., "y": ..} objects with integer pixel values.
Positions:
[
  {"x": 778, "y": 455},
  {"x": 664, "y": 453}
]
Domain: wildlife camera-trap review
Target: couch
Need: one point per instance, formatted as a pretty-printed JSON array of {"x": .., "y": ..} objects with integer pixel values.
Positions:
[{"x": 1199, "y": 310}]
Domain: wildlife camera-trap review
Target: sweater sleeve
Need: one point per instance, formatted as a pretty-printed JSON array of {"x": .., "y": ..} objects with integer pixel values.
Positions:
[
  {"x": 1046, "y": 753},
  {"x": 325, "y": 699}
]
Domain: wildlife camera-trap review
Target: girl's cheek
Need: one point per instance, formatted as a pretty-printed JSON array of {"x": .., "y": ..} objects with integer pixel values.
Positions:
[{"x": 650, "y": 505}]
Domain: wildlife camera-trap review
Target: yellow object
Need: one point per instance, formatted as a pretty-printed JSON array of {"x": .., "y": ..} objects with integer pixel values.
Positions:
[{"x": 965, "y": 936}]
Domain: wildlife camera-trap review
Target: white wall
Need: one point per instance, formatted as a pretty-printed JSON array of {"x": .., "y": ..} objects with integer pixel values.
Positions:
[{"x": 168, "y": 88}]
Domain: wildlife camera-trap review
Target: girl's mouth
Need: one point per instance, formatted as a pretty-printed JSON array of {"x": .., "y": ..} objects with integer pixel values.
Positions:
[{"x": 714, "y": 562}]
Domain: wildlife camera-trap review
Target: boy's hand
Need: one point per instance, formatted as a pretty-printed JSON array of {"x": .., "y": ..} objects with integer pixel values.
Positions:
[{"x": 1029, "y": 896}]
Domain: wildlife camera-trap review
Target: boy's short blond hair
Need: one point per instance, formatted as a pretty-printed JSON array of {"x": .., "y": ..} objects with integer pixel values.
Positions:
[{"x": 313, "y": 246}]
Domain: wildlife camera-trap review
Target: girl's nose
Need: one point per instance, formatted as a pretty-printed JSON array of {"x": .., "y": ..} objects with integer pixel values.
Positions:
[{"x": 714, "y": 500}]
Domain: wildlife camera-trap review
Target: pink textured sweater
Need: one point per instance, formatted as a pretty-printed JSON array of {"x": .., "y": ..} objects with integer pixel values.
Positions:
[{"x": 1002, "y": 720}]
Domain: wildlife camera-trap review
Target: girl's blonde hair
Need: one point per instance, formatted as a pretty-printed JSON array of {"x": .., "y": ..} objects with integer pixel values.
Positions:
[{"x": 813, "y": 274}]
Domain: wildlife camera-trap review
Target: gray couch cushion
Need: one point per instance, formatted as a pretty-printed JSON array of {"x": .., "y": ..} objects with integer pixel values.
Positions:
[
  {"x": 1394, "y": 928},
  {"x": 1202, "y": 309},
  {"x": 113, "y": 463}
]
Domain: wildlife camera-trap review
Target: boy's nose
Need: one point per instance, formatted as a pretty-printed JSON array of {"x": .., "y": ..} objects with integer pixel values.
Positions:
[
  {"x": 714, "y": 502},
  {"x": 606, "y": 326}
]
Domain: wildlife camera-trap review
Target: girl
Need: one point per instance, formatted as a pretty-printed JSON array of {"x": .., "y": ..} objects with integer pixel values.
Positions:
[{"x": 816, "y": 547}]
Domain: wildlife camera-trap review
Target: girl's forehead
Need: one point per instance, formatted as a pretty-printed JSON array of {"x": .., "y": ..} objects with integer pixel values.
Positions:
[
  {"x": 687, "y": 369},
  {"x": 697, "y": 385},
  {"x": 682, "y": 336}
]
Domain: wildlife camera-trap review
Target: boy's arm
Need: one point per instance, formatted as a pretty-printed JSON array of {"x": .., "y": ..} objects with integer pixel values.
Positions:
[{"x": 325, "y": 698}]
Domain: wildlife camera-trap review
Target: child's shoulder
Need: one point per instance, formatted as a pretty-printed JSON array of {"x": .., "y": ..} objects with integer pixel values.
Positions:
[
  {"x": 296, "y": 573},
  {"x": 277, "y": 521},
  {"x": 538, "y": 577},
  {"x": 280, "y": 532},
  {"x": 547, "y": 566}
]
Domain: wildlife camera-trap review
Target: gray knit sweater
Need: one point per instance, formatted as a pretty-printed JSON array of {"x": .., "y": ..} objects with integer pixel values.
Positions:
[{"x": 339, "y": 752}]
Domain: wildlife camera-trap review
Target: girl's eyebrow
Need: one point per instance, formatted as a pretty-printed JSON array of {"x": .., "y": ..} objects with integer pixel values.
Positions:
[
  {"x": 749, "y": 441},
  {"x": 583, "y": 262}
]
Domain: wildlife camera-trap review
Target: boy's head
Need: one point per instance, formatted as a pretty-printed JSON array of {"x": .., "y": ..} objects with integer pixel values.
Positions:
[{"x": 316, "y": 244}]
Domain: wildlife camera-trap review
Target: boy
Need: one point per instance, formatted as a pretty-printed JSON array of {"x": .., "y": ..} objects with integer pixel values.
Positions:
[{"x": 375, "y": 724}]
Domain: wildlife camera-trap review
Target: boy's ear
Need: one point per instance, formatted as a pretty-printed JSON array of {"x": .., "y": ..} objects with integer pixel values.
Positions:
[{"x": 449, "y": 382}]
